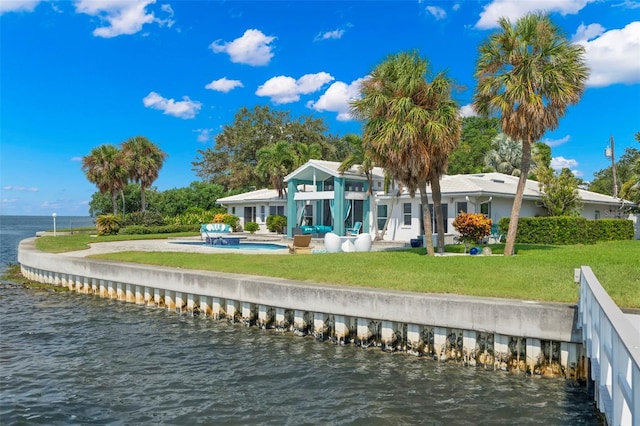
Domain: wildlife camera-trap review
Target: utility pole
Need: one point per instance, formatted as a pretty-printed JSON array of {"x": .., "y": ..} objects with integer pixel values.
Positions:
[{"x": 610, "y": 153}]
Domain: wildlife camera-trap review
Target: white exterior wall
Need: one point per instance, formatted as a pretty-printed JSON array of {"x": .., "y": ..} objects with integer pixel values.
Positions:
[{"x": 239, "y": 211}]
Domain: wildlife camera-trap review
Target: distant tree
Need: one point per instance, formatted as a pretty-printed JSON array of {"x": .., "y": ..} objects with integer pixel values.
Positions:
[
  {"x": 506, "y": 155},
  {"x": 275, "y": 162},
  {"x": 304, "y": 152},
  {"x": 529, "y": 73},
  {"x": 101, "y": 203},
  {"x": 475, "y": 142},
  {"x": 176, "y": 201},
  {"x": 106, "y": 167},
  {"x": 232, "y": 162},
  {"x": 144, "y": 160},
  {"x": 560, "y": 195},
  {"x": 626, "y": 171}
]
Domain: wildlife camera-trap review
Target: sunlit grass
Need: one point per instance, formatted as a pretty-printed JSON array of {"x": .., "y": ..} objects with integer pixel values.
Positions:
[
  {"x": 64, "y": 243},
  {"x": 542, "y": 273}
]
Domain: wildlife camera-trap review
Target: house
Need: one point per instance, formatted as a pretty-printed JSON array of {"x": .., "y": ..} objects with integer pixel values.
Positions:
[
  {"x": 318, "y": 194},
  {"x": 255, "y": 206}
]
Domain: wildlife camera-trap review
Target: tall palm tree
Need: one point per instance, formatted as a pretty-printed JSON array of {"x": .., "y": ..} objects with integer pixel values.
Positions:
[
  {"x": 144, "y": 160},
  {"x": 359, "y": 155},
  {"x": 410, "y": 125},
  {"x": 106, "y": 167},
  {"x": 529, "y": 73},
  {"x": 275, "y": 162}
]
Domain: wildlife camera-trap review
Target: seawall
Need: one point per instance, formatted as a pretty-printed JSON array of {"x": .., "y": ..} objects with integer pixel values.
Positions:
[{"x": 536, "y": 337}]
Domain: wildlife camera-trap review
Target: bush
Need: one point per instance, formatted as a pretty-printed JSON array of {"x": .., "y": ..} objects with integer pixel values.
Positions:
[
  {"x": 108, "y": 224},
  {"x": 565, "y": 230},
  {"x": 276, "y": 223},
  {"x": 146, "y": 218},
  {"x": 192, "y": 216},
  {"x": 165, "y": 229},
  {"x": 229, "y": 219},
  {"x": 472, "y": 227},
  {"x": 251, "y": 227}
]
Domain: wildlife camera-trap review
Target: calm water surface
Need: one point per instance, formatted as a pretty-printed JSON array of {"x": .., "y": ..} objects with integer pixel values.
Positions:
[{"x": 67, "y": 358}]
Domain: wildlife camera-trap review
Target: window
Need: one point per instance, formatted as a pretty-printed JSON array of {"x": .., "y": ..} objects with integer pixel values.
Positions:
[
  {"x": 445, "y": 215},
  {"x": 382, "y": 215},
  {"x": 406, "y": 214},
  {"x": 233, "y": 210},
  {"x": 461, "y": 207},
  {"x": 276, "y": 210},
  {"x": 355, "y": 186},
  {"x": 597, "y": 216},
  {"x": 308, "y": 214},
  {"x": 262, "y": 213},
  {"x": 485, "y": 209}
]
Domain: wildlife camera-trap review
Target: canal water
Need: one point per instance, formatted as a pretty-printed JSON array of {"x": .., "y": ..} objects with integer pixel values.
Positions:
[{"x": 68, "y": 358}]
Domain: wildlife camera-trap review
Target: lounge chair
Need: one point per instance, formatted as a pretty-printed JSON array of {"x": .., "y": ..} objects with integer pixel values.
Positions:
[
  {"x": 355, "y": 230},
  {"x": 301, "y": 244},
  {"x": 495, "y": 235}
]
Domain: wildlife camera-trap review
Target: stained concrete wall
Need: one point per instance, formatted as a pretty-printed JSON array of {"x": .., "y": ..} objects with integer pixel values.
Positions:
[{"x": 546, "y": 321}]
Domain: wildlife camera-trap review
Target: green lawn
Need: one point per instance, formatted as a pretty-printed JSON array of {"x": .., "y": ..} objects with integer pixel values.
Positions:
[{"x": 543, "y": 273}]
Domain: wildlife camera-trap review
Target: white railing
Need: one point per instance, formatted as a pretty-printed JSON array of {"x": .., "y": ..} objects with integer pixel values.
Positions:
[{"x": 613, "y": 346}]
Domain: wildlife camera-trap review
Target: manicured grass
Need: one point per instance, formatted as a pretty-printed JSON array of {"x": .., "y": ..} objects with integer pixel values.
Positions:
[
  {"x": 64, "y": 243},
  {"x": 542, "y": 273},
  {"x": 538, "y": 272}
]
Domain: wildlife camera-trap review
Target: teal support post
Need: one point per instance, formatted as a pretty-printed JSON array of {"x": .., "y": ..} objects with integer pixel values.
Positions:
[
  {"x": 292, "y": 212},
  {"x": 366, "y": 209},
  {"x": 338, "y": 206}
]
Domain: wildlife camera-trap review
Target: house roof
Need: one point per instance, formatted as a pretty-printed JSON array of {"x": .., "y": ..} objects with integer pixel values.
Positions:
[
  {"x": 260, "y": 195},
  {"x": 501, "y": 185},
  {"x": 321, "y": 170}
]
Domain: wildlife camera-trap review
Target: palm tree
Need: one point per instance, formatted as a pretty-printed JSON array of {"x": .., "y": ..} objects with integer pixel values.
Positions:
[
  {"x": 411, "y": 126},
  {"x": 359, "y": 155},
  {"x": 106, "y": 167},
  {"x": 529, "y": 73},
  {"x": 305, "y": 152},
  {"x": 144, "y": 160},
  {"x": 275, "y": 162}
]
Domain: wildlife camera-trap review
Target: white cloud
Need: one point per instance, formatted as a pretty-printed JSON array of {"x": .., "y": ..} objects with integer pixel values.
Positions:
[
  {"x": 182, "y": 109},
  {"x": 76, "y": 159},
  {"x": 468, "y": 111},
  {"x": 224, "y": 85},
  {"x": 20, "y": 188},
  {"x": 204, "y": 135},
  {"x": 283, "y": 89},
  {"x": 514, "y": 9},
  {"x": 337, "y": 98},
  {"x": 613, "y": 55},
  {"x": 628, "y": 4},
  {"x": 559, "y": 163},
  {"x": 18, "y": 5},
  {"x": 122, "y": 16},
  {"x": 556, "y": 142},
  {"x": 437, "y": 12},
  {"x": 587, "y": 32},
  {"x": 253, "y": 48},
  {"x": 335, "y": 34}
]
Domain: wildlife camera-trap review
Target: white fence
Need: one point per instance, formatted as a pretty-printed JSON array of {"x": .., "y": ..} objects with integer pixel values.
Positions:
[{"x": 613, "y": 346}]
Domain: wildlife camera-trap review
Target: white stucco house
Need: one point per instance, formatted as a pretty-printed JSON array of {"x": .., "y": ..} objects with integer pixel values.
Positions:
[{"x": 318, "y": 195}]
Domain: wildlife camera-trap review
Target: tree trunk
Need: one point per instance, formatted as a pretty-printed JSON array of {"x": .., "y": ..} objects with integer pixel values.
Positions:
[
  {"x": 437, "y": 208},
  {"x": 426, "y": 218},
  {"x": 114, "y": 202},
  {"x": 143, "y": 199},
  {"x": 374, "y": 208},
  {"x": 517, "y": 201}
]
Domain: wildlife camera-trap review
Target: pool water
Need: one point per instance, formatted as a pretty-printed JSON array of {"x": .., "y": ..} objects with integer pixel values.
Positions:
[{"x": 241, "y": 246}]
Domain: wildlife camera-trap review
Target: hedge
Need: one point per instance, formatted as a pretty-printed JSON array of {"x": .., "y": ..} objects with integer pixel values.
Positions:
[
  {"x": 566, "y": 230},
  {"x": 165, "y": 229}
]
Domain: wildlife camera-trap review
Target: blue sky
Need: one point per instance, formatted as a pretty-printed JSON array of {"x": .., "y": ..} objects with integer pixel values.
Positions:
[{"x": 78, "y": 74}]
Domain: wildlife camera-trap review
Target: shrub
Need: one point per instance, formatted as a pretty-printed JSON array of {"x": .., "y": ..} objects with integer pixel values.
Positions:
[
  {"x": 251, "y": 227},
  {"x": 135, "y": 230},
  {"x": 146, "y": 218},
  {"x": 276, "y": 223},
  {"x": 472, "y": 227},
  {"x": 565, "y": 230},
  {"x": 165, "y": 229},
  {"x": 108, "y": 224},
  {"x": 229, "y": 219}
]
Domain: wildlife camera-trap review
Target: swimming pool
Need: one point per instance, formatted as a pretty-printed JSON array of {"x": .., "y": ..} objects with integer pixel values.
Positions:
[{"x": 240, "y": 246}]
